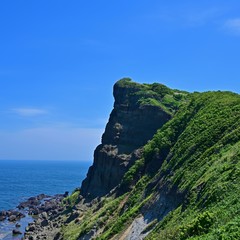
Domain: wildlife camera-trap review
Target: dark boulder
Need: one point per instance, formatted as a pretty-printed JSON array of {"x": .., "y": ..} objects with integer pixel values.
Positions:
[
  {"x": 30, "y": 228},
  {"x": 65, "y": 194},
  {"x": 16, "y": 232},
  {"x": 73, "y": 216},
  {"x": 41, "y": 196},
  {"x": 44, "y": 223},
  {"x": 8, "y": 213},
  {"x": 58, "y": 236},
  {"x": 18, "y": 225},
  {"x": 12, "y": 218},
  {"x": 32, "y": 198},
  {"x": 34, "y": 211},
  {"x": 3, "y": 213},
  {"x": 2, "y": 218}
]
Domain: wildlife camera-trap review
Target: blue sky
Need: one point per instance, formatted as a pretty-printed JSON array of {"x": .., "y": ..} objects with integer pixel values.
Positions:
[{"x": 60, "y": 59}]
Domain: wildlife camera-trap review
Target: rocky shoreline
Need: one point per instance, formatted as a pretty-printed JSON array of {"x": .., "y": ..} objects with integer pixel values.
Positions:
[{"x": 41, "y": 208}]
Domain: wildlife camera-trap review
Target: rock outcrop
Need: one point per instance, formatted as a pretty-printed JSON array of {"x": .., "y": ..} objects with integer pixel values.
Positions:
[{"x": 131, "y": 124}]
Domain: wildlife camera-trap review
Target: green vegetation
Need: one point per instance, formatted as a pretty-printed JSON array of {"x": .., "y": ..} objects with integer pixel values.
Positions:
[
  {"x": 156, "y": 94},
  {"x": 127, "y": 82},
  {"x": 135, "y": 200},
  {"x": 193, "y": 161},
  {"x": 130, "y": 177},
  {"x": 108, "y": 210},
  {"x": 73, "y": 199},
  {"x": 201, "y": 149},
  {"x": 200, "y": 225}
]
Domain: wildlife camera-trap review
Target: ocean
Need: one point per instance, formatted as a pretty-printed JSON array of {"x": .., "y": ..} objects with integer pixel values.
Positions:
[{"x": 20, "y": 180}]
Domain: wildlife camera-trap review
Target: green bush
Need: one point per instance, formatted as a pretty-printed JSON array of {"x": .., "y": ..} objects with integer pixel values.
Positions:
[
  {"x": 230, "y": 231},
  {"x": 72, "y": 199},
  {"x": 198, "y": 226}
]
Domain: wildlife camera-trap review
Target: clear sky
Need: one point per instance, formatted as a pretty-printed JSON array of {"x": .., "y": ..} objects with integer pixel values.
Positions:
[{"x": 59, "y": 60}]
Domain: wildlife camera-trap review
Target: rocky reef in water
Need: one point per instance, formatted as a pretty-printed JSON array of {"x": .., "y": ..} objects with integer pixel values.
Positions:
[{"x": 40, "y": 208}]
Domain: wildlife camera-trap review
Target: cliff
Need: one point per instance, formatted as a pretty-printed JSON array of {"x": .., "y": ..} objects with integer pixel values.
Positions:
[
  {"x": 168, "y": 167},
  {"x": 136, "y": 116}
]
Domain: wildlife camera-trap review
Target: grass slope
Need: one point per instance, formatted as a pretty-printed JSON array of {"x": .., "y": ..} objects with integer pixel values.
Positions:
[{"x": 155, "y": 94}]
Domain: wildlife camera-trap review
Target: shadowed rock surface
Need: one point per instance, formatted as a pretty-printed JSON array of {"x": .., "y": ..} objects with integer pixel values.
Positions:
[{"x": 130, "y": 126}]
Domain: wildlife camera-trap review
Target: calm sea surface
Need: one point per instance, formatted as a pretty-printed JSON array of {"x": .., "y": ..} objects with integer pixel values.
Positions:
[{"x": 20, "y": 180}]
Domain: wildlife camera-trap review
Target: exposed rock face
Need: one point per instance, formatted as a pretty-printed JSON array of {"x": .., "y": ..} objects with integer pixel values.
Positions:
[{"x": 128, "y": 129}]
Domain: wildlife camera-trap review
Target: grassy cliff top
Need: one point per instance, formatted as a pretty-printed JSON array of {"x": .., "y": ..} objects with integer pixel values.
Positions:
[{"x": 155, "y": 94}]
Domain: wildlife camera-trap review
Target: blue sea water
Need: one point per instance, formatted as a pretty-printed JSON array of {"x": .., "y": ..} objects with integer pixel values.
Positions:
[{"x": 20, "y": 180}]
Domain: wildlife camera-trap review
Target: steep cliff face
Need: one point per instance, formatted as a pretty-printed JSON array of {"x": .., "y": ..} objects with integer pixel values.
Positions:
[{"x": 134, "y": 120}]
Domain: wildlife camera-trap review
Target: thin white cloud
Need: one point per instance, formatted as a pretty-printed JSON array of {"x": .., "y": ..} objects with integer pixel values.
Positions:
[
  {"x": 29, "y": 112},
  {"x": 233, "y": 26},
  {"x": 185, "y": 17}
]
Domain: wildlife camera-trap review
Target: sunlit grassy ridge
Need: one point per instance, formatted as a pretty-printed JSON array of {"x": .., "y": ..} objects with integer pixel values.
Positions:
[{"x": 155, "y": 94}]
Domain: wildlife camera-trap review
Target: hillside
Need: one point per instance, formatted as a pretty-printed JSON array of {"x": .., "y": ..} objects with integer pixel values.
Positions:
[{"x": 168, "y": 168}]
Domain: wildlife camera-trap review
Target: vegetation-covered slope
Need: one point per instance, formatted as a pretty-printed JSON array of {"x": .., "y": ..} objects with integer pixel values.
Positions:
[{"x": 185, "y": 186}]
